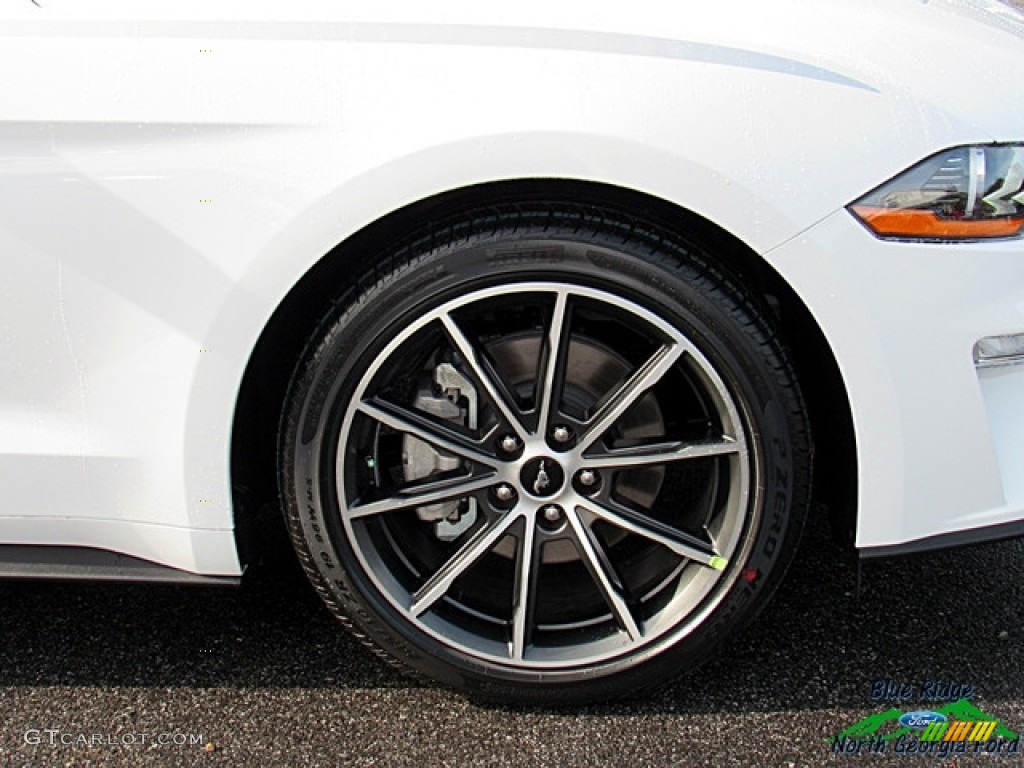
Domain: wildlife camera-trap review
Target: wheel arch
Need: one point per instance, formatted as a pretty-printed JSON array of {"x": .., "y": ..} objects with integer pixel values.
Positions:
[{"x": 259, "y": 529}]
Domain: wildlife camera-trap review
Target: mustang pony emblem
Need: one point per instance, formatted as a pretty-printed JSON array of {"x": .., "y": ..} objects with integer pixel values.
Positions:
[{"x": 542, "y": 481}]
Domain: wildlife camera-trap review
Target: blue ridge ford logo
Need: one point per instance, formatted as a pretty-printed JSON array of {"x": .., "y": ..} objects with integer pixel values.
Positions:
[{"x": 922, "y": 718}]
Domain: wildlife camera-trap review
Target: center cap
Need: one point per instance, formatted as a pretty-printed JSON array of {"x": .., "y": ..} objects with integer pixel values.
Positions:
[{"x": 542, "y": 477}]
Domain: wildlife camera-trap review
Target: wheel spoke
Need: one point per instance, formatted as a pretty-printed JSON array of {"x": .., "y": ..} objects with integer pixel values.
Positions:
[
  {"x": 660, "y": 453},
  {"x": 549, "y": 379},
  {"x": 599, "y": 571},
  {"x": 681, "y": 543},
  {"x": 407, "y": 421},
  {"x": 526, "y": 590},
  {"x": 483, "y": 375},
  {"x": 479, "y": 545},
  {"x": 643, "y": 379},
  {"x": 422, "y": 494}
]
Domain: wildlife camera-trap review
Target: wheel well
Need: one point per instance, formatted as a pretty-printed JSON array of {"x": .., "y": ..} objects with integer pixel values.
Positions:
[{"x": 260, "y": 532}]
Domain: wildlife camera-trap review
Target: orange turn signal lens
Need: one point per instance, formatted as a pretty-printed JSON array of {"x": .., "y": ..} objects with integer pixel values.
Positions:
[{"x": 929, "y": 225}]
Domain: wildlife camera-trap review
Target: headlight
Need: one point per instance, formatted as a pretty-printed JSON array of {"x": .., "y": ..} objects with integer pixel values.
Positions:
[{"x": 966, "y": 193}]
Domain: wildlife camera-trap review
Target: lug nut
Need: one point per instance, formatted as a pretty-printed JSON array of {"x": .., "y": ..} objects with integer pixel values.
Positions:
[
  {"x": 504, "y": 493},
  {"x": 561, "y": 434},
  {"x": 552, "y": 518},
  {"x": 587, "y": 481},
  {"x": 552, "y": 513},
  {"x": 509, "y": 443}
]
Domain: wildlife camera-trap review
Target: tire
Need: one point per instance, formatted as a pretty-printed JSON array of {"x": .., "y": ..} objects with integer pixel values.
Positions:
[{"x": 549, "y": 456}]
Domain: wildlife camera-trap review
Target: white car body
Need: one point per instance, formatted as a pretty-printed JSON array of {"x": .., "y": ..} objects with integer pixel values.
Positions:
[{"x": 170, "y": 171}]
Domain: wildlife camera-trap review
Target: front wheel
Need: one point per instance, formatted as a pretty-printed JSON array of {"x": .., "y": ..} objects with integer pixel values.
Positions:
[{"x": 546, "y": 458}]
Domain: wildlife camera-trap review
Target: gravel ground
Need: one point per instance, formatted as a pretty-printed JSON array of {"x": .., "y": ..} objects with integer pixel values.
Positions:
[{"x": 263, "y": 676}]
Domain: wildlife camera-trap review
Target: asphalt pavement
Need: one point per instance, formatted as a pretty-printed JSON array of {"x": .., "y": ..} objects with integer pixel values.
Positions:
[{"x": 123, "y": 675}]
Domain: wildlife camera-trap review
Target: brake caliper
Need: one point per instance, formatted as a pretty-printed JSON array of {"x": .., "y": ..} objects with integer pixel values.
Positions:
[{"x": 450, "y": 396}]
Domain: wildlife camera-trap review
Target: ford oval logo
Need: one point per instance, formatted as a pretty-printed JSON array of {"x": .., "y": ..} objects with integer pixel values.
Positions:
[{"x": 921, "y": 719}]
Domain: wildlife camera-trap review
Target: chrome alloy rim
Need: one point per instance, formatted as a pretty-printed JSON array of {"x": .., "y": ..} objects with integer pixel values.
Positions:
[{"x": 591, "y": 465}]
